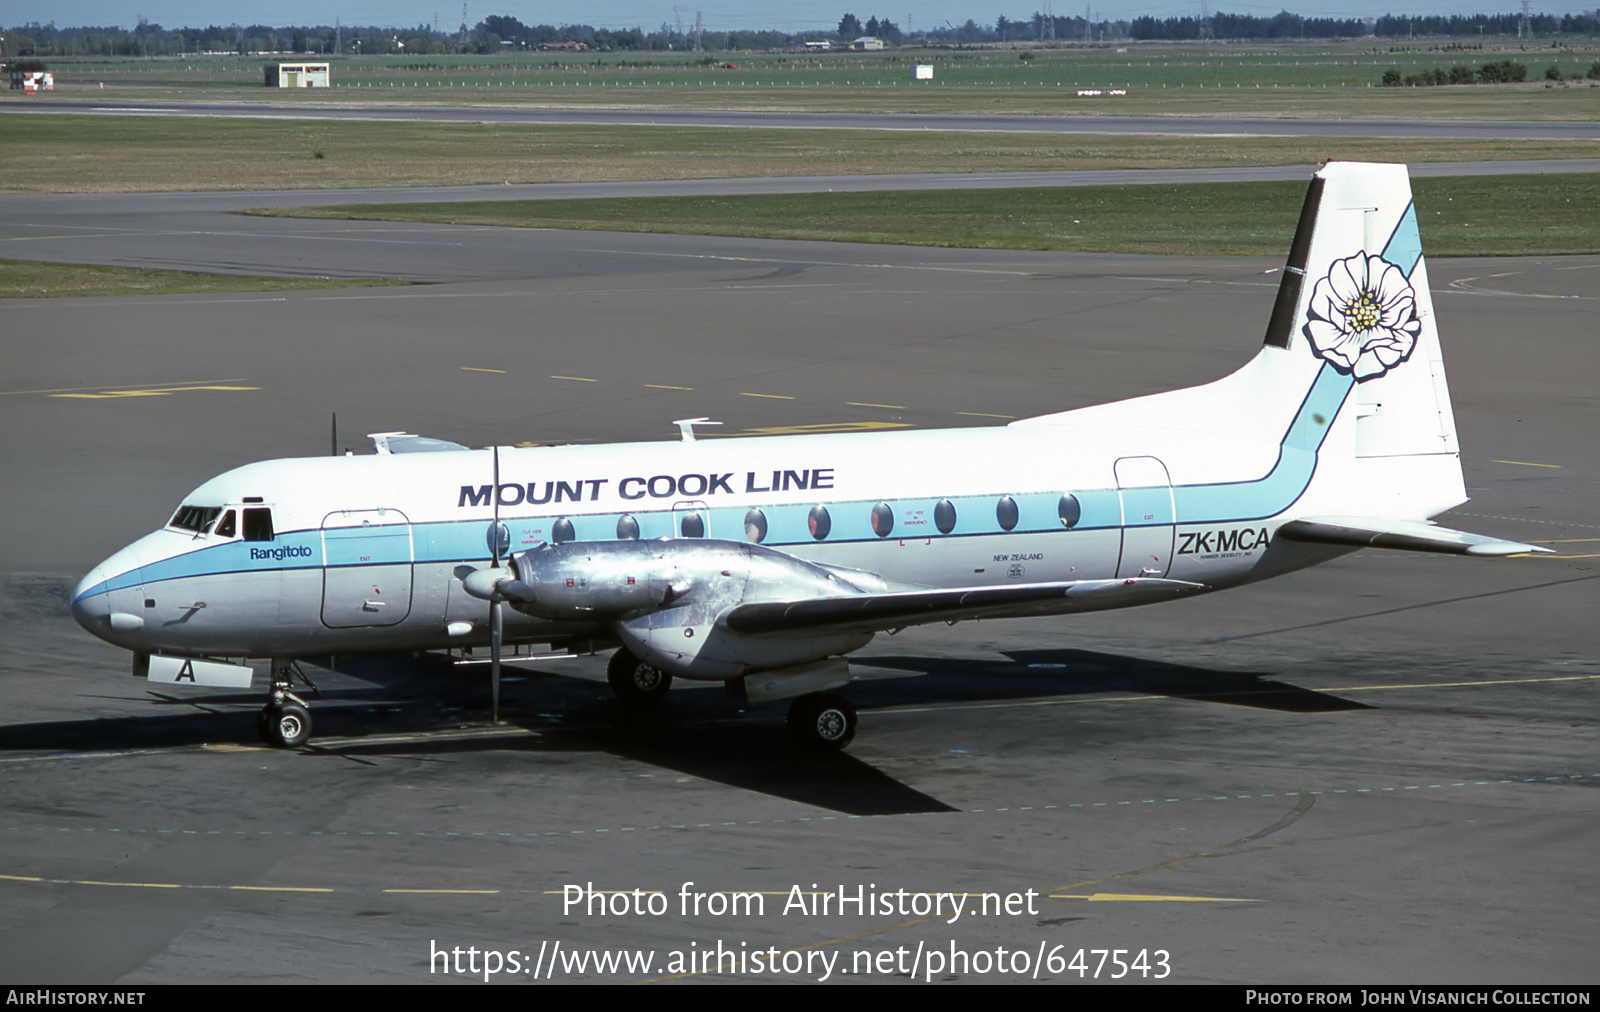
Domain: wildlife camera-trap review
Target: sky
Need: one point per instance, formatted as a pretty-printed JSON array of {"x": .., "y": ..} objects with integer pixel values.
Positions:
[{"x": 649, "y": 15}]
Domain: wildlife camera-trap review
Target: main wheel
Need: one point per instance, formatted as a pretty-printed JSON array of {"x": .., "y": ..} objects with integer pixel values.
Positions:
[
  {"x": 823, "y": 721},
  {"x": 634, "y": 681},
  {"x": 286, "y": 726}
]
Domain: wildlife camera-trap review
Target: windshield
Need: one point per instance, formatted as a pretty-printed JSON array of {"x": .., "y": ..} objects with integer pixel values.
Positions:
[{"x": 195, "y": 519}]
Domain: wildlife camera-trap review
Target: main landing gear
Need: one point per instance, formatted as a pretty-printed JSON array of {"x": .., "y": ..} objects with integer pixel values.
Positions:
[
  {"x": 822, "y": 722},
  {"x": 635, "y": 682},
  {"x": 285, "y": 722},
  {"x": 819, "y": 721}
]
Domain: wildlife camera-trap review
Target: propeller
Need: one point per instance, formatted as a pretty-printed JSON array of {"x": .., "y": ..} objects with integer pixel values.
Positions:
[
  {"x": 496, "y": 600},
  {"x": 484, "y": 584}
]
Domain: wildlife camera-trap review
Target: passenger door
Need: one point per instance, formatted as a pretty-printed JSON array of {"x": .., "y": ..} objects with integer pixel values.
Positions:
[
  {"x": 1145, "y": 490},
  {"x": 366, "y": 577}
]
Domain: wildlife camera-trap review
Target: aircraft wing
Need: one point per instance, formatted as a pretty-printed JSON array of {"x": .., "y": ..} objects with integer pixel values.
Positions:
[
  {"x": 872, "y": 612},
  {"x": 1410, "y": 535}
]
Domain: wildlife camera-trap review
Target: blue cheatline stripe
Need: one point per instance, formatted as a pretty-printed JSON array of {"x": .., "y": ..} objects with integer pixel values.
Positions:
[
  {"x": 1404, "y": 248},
  {"x": 452, "y": 541}
]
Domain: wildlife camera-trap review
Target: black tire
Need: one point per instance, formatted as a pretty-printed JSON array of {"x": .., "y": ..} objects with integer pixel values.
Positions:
[
  {"x": 822, "y": 722},
  {"x": 636, "y": 682},
  {"x": 286, "y": 726}
]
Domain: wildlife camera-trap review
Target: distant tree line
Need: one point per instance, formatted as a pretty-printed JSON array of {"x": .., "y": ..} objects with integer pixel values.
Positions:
[
  {"x": 1284, "y": 25},
  {"x": 499, "y": 33},
  {"x": 1399, "y": 26},
  {"x": 851, "y": 28}
]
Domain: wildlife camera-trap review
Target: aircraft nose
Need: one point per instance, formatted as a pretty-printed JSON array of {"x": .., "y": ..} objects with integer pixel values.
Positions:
[{"x": 92, "y": 611}]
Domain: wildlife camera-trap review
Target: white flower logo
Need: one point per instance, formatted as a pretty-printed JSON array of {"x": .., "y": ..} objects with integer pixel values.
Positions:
[{"x": 1363, "y": 316}]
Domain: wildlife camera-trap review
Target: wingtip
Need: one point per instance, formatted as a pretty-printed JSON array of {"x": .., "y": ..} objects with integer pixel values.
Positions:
[{"x": 1509, "y": 551}]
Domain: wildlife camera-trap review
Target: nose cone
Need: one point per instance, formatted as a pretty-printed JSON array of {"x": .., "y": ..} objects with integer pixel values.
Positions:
[{"x": 90, "y": 607}]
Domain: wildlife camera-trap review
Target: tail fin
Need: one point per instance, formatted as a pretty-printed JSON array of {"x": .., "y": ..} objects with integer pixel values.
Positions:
[
  {"x": 1354, "y": 310},
  {"x": 1347, "y": 397},
  {"x": 1354, "y": 305}
]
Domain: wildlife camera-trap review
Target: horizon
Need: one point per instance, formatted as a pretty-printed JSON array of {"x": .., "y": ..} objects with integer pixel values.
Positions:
[{"x": 614, "y": 14}]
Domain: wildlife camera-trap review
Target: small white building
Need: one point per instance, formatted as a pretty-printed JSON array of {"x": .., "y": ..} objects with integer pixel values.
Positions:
[
  {"x": 867, "y": 43},
  {"x": 922, "y": 71},
  {"x": 297, "y": 75}
]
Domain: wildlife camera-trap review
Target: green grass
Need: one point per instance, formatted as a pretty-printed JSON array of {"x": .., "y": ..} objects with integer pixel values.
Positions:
[
  {"x": 1288, "y": 78},
  {"x": 62, "y": 153},
  {"x": 1459, "y": 216},
  {"x": 21, "y": 279}
]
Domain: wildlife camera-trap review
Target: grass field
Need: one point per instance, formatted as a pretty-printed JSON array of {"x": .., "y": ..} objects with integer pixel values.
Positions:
[
  {"x": 1286, "y": 79},
  {"x": 22, "y": 279},
  {"x": 1459, "y": 216},
  {"x": 62, "y": 153},
  {"x": 95, "y": 153}
]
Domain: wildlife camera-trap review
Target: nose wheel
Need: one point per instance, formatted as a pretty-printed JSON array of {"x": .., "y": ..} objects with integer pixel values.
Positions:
[
  {"x": 285, "y": 722},
  {"x": 284, "y": 726}
]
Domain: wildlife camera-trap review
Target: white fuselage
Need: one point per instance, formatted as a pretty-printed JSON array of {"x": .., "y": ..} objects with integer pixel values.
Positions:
[{"x": 363, "y": 549}]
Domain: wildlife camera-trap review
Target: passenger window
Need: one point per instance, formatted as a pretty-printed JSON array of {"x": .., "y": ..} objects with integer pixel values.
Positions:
[
  {"x": 755, "y": 526},
  {"x": 944, "y": 516},
  {"x": 819, "y": 521},
  {"x": 1005, "y": 511},
  {"x": 882, "y": 520},
  {"x": 561, "y": 531},
  {"x": 627, "y": 528},
  {"x": 692, "y": 526},
  {"x": 225, "y": 526},
  {"x": 1069, "y": 510},
  {"x": 258, "y": 525}
]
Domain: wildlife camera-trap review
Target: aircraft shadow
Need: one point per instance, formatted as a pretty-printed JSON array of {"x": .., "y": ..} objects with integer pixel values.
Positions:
[
  {"x": 702, "y": 739},
  {"x": 701, "y": 733},
  {"x": 1066, "y": 672}
]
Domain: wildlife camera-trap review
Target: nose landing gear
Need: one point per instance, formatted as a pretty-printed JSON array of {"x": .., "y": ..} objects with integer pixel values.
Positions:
[{"x": 285, "y": 722}]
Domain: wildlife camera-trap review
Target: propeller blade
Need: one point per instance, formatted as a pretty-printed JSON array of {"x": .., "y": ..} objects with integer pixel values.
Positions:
[{"x": 495, "y": 615}]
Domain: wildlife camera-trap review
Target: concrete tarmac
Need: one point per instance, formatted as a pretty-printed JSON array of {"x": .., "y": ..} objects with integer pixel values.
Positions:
[{"x": 1380, "y": 770}]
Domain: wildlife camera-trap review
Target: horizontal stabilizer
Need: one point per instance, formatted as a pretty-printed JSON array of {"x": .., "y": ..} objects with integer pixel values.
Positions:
[
  {"x": 1410, "y": 535},
  {"x": 892, "y": 611}
]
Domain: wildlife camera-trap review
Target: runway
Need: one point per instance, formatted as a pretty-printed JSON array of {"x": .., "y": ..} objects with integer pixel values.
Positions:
[
  {"x": 1380, "y": 770},
  {"x": 1179, "y": 126}
]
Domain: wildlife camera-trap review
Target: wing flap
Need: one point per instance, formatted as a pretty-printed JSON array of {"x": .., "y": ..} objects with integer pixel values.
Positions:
[
  {"x": 891, "y": 611},
  {"x": 1408, "y": 535}
]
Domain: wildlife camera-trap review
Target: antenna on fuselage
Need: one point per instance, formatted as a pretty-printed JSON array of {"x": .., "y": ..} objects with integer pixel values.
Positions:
[{"x": 333, "y": 442}]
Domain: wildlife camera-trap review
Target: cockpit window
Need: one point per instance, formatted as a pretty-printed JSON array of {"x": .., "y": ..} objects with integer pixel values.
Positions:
[
  {"x": 225, "y": 526},
  {"x": 258, "y": 525},
  {"x": 194, "y": 518}
]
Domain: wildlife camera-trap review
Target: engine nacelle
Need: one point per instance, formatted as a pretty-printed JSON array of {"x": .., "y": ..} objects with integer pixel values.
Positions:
[
  {"x": 589, "y": 580},
  {"x": 665, "y": 598}
]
